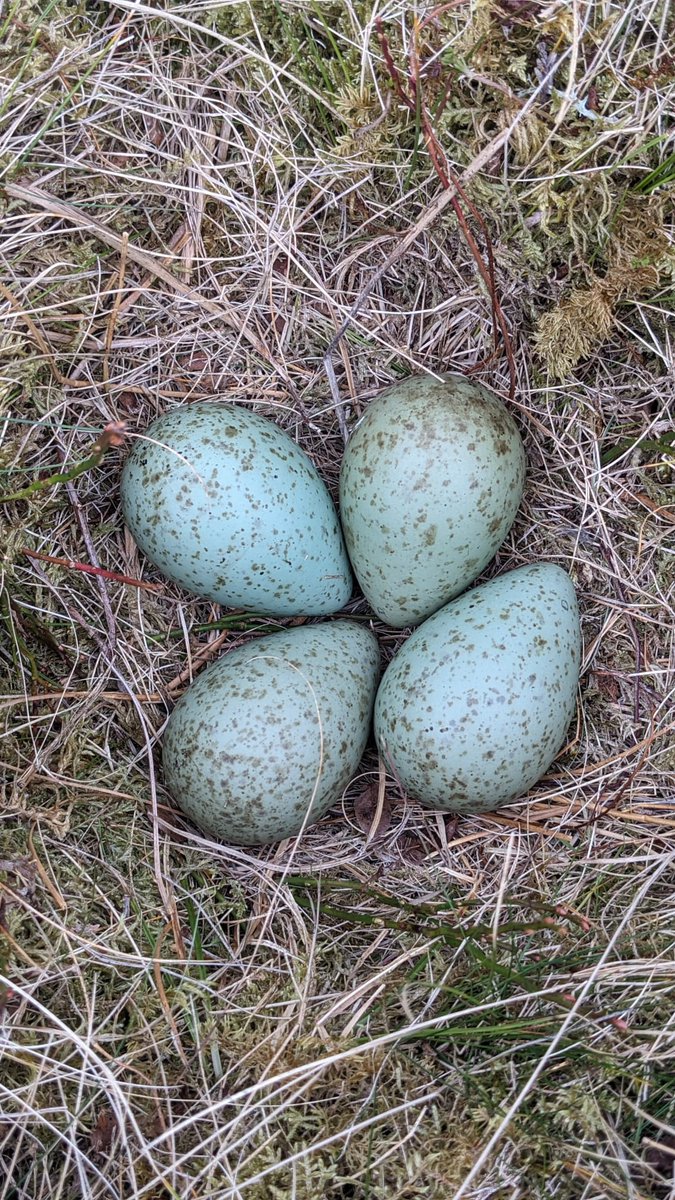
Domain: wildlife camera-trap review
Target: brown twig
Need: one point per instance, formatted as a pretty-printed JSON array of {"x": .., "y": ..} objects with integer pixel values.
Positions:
[
  {"x": 414, "y": 101},
  {"x": 163, "y": 998},
  {"x": 24, "y": 698},
  {"x": 114, "y": 311},
  {"x": 430, "y": 214}
]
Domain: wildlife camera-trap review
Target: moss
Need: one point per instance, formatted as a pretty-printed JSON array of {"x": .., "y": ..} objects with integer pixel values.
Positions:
[{"x": 638, "y": 256}]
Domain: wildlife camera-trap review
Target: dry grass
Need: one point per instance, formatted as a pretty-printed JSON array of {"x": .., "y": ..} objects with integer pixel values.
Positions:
[{"x": 197, "y": 197}]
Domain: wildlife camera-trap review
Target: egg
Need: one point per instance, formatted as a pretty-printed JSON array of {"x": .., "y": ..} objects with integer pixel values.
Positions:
[
  {"x": 430, "y": 484},
  {"x": 268, "y": 737},
  {"x": 225, "y": 504},
  {"x": 476, "y": 704}
]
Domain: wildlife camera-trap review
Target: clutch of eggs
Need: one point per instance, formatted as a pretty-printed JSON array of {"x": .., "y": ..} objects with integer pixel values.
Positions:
[{"x": 478, "y": 700}]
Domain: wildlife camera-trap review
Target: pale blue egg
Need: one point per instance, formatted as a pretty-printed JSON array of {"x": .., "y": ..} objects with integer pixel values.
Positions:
[
  {"x": 226, "y": 504},
  {"x": 477, "y": 703},
  {"x": 268, "y": 737},
  {"x": 430, "y": 484}
]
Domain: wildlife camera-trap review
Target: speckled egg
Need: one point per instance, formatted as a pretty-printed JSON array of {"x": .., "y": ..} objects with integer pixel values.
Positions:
[
  {"x": 476, "y": 704},
  {"x": 430, "y": 484},
  {"x": 229, "y": 507},
  {"x": 268, "y": 737}
]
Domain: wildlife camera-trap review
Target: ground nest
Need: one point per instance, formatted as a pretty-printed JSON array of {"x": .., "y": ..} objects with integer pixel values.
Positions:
[{"x": 291, "y": 204}]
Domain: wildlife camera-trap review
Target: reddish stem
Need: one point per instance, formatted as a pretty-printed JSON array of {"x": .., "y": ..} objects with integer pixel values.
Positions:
[
  {"x": 392, "y": 68},
  {"x": 414, "y": 101},
  {"x": 89, "y": 570}
]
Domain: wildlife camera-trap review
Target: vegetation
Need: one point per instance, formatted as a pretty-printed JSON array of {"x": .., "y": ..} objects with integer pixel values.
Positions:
[{"x": 292, "y": 203}]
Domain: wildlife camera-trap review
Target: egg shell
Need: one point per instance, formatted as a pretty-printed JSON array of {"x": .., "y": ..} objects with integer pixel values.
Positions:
[
  {"x": 268, "y": 737},
  {"x": 430, "y": 484},
  {"x": 476, "y": 704},
  {"x": 229, "y": 507}
]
